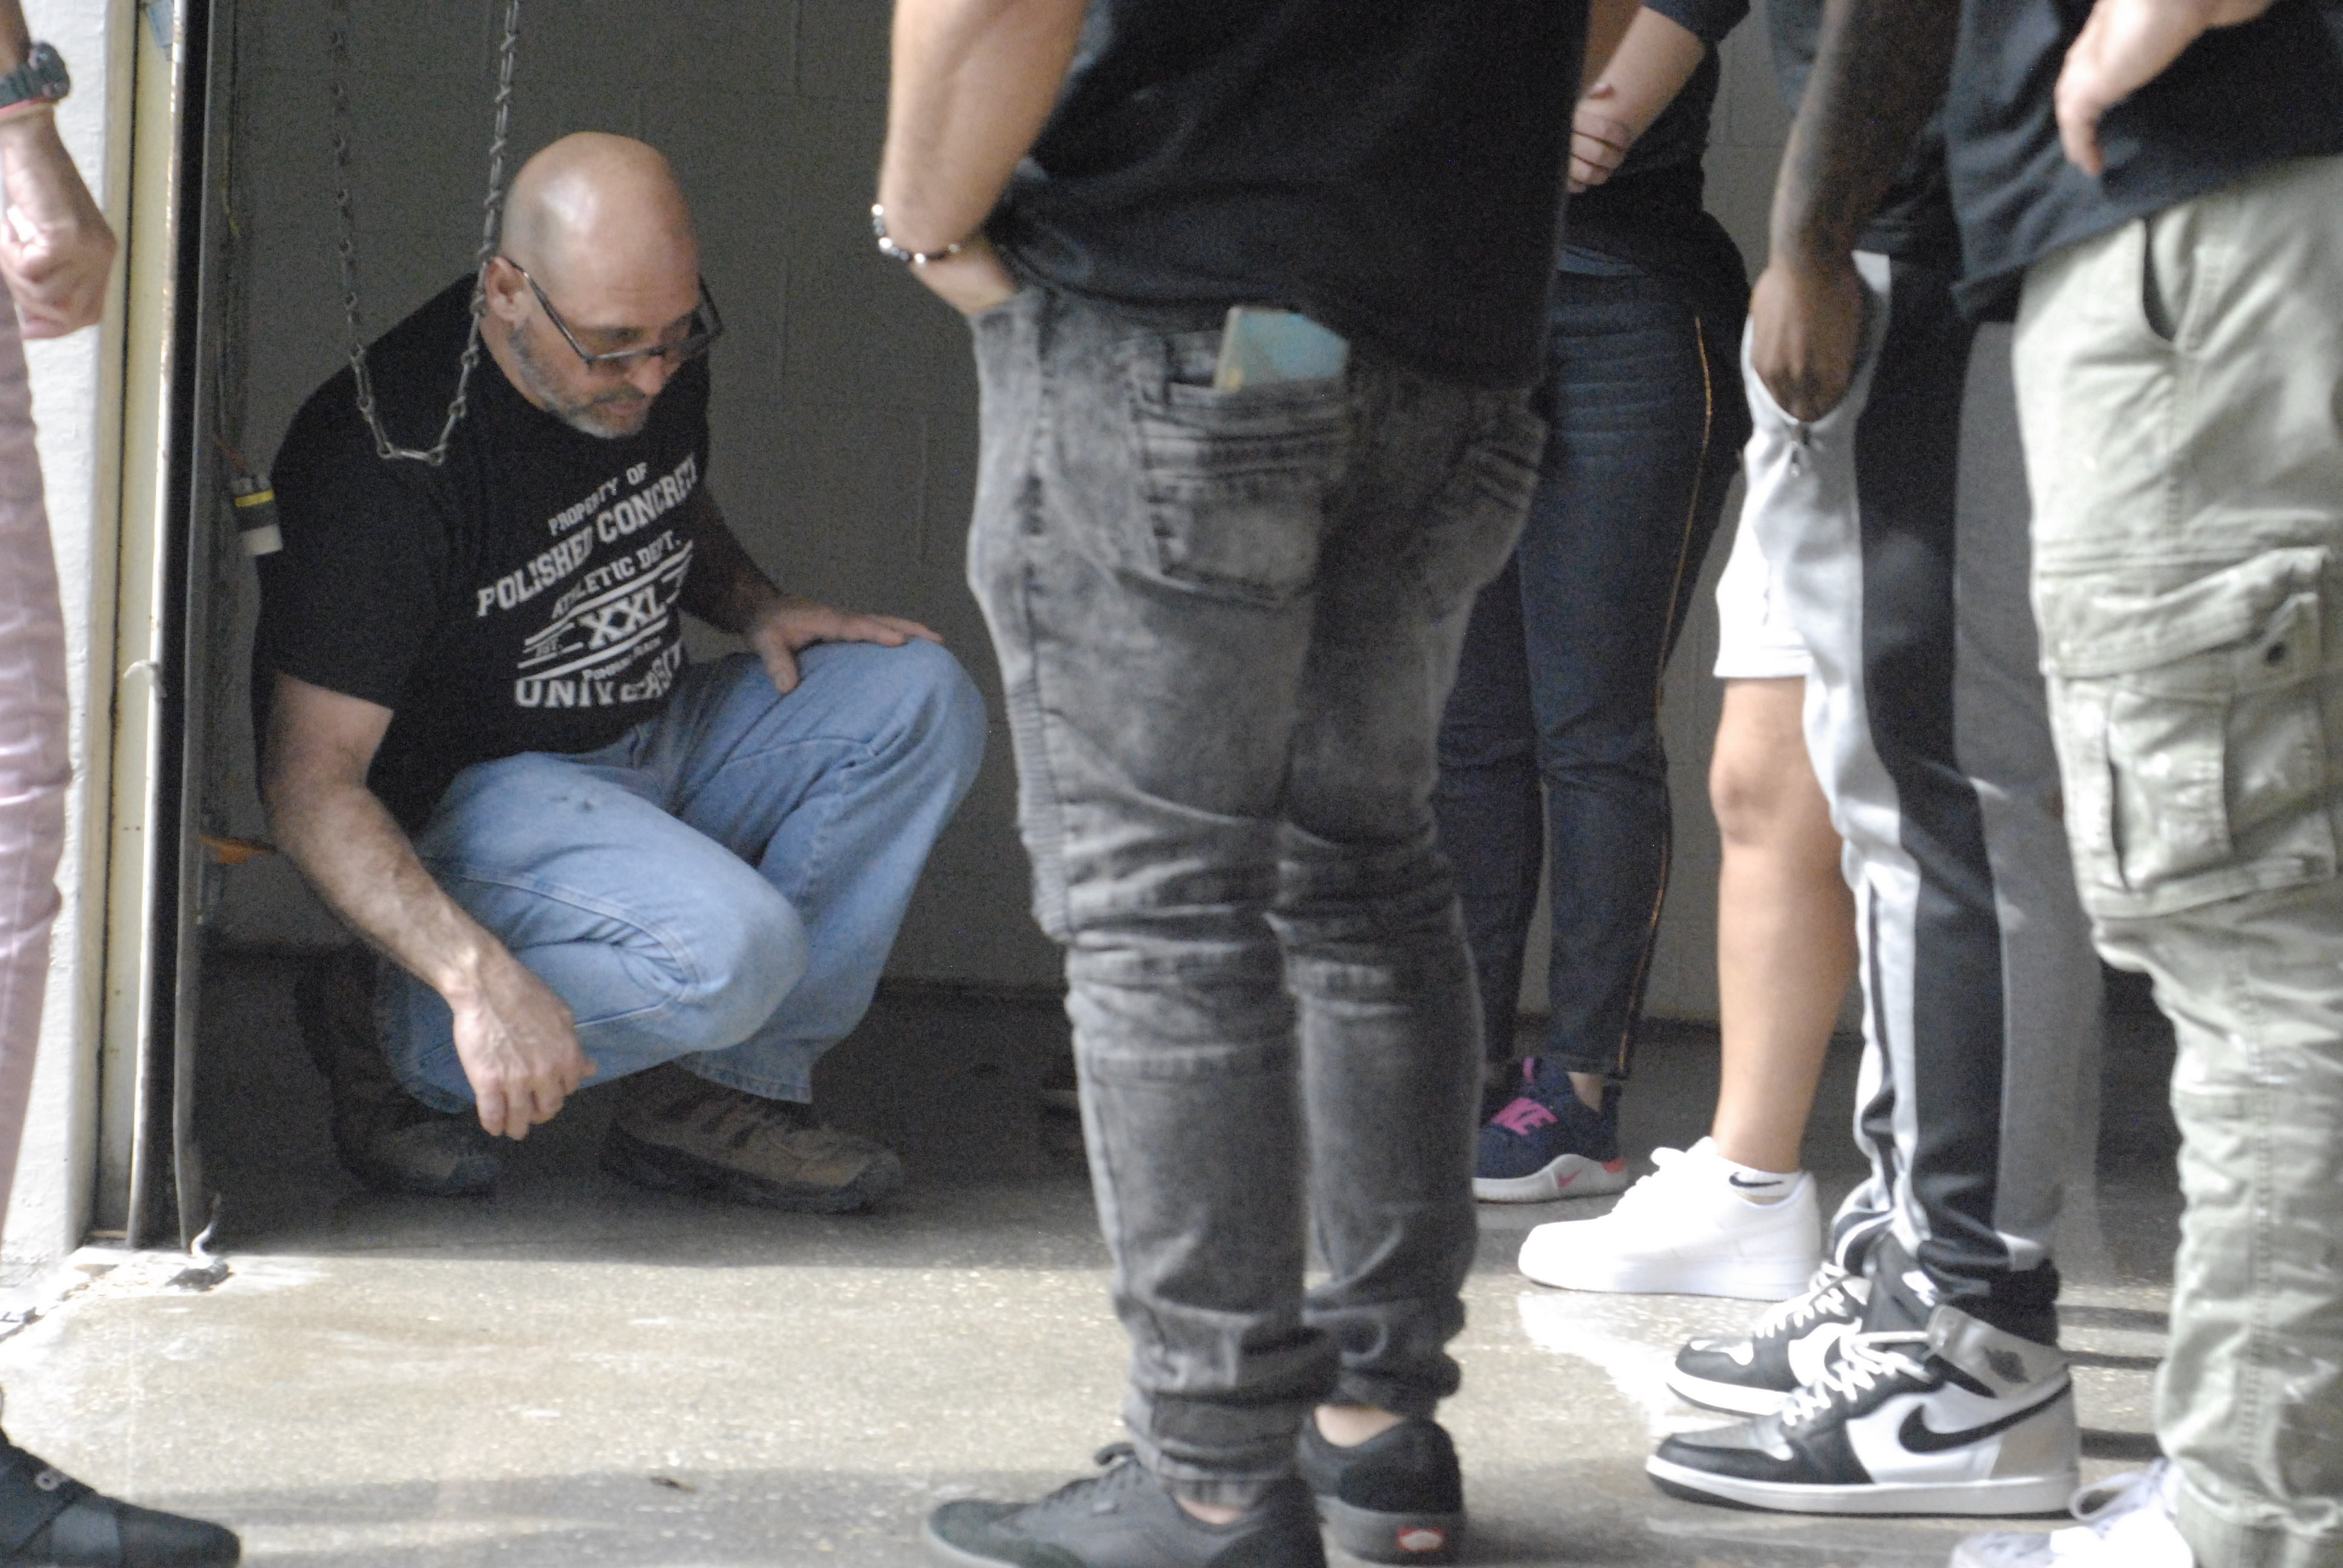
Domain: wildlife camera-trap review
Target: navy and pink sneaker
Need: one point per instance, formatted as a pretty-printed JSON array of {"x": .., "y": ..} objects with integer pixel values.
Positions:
[{"x": 1546, "y": 1144}]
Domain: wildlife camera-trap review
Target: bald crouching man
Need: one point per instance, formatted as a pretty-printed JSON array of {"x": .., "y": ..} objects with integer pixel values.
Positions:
[{"x": 576, "y": 855}]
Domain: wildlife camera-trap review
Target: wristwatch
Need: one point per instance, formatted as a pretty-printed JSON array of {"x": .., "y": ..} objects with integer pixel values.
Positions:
[{"x": 40, "y": 82}]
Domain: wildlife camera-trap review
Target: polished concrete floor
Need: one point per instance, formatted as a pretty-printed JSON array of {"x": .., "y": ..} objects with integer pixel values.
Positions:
[{"x": 578, "y": 1373}]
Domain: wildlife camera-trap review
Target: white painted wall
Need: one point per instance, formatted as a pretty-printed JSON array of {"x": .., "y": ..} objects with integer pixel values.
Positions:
[
  {"x": 845, "y": 408},
  {"x": 75, "y": 389}
]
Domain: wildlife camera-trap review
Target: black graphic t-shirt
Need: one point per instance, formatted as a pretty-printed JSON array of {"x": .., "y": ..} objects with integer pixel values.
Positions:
[{"x": 521, "y": 597}]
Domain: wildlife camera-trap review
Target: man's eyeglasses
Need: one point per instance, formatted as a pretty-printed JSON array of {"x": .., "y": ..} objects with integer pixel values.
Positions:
[{"x": 704, "y": 329}]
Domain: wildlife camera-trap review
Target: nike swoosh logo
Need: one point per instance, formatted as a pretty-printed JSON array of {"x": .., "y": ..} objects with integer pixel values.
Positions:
[
  {"x": 1920, "y": 1437},
  {"x": 1737, "y": 1182}
]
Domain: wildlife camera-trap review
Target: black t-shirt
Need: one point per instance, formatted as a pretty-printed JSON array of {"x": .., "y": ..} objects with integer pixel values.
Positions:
[
  {"x": 1649, "y": 212},
  {"x": 2237, "y": 98},
  {"x": 521, "y": 597},
  {"x": 1678, "y": 138},
  {"x": 1391, "y": 167},
  {"x": 1915, "y": 220}
]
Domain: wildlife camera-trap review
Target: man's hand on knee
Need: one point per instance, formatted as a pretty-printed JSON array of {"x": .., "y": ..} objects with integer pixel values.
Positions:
[
  {"x": 518, "y": 1046},
  {"x": 786, "y": 625}
]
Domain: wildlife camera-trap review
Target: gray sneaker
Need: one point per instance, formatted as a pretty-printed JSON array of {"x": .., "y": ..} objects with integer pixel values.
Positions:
[
  {"x": 679, "y": 1133},
  {"x": 49, "y": 1520},
  {"x": 387, "y": 1139},
  {"x": 1124, "y": 1519}
]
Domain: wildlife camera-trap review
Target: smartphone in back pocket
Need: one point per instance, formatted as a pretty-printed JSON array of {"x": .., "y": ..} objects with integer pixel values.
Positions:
[{"x": 1262, "y": 347}]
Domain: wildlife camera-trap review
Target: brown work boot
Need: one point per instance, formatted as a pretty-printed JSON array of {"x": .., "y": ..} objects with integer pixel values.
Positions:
[
  {"x": 388, "y": 1139},
  {"x": 679, "y": 1133}
]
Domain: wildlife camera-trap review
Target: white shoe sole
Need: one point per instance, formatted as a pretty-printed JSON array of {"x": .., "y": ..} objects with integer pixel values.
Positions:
[
  {"x": 1969, "y": 1499},
  {"x": 1731, "y": 1397},
  {"x": 1739, "y": 1279},
  {"x": 1569, "y": 1176}
]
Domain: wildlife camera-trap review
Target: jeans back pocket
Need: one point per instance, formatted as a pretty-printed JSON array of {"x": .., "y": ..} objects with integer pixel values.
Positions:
[
  {"x": 1473, "y": 520},
  {"x": 1233, "y": 486},
  {"x": 2189, "y": 732}
]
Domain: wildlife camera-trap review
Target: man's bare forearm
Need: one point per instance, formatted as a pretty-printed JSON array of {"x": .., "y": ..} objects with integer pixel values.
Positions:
[
  {"x": 360, "y": 860},
  {"x": 726, "y": 587},
  {"x": 974, "y": 81},
  {"x": 1880, "y": 70}
]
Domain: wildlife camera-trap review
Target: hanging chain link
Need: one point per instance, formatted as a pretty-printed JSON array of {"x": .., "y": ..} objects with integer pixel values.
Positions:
[{"x": 492, "y": 212}]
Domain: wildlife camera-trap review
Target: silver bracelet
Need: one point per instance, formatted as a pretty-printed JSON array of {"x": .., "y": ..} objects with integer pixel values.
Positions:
[{"x": 893, "y": 252}]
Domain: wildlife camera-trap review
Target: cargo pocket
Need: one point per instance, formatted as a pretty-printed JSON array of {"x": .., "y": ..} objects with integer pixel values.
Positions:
[
  {"x": 1471, "y": 523},
  {"x": 2188, "y": 723},
  {"x": 1233, "y": 486}
]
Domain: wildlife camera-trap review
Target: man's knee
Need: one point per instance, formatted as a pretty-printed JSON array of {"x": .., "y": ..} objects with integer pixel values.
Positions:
[
  {"x": 750, "y": 955},
  {"x": 939, "y": 709}
]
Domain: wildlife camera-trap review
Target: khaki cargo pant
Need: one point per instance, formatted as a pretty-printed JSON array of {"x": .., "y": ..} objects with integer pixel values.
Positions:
[{"x": 2180, "y": 388}]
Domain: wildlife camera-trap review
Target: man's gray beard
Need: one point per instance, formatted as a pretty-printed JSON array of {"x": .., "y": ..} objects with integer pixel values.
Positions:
[{"x": 594, "y": 417}]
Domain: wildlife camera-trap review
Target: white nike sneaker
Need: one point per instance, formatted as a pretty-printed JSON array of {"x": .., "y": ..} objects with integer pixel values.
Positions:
[
  {"x": 1689, "y": 1229},
  {"x": 1957, "y": 1418},
  {"x": 2126, "y": 1523}
]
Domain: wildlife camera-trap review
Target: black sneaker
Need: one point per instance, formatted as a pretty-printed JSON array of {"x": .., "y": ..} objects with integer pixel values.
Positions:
[
  {"x": 1398, "y": 1497},
  {"x": 1546, "y": 1144},
  {"x": 1790, "y": 1347},
  {"x": 1957, "y": 1418},
  {"x": 386, "y": 1137},
  {"x": 1124, "y": 1519},
  {"x": 48, "y": 1520}
]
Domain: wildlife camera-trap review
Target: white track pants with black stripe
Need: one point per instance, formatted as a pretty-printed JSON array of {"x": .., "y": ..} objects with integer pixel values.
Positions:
[{"x": 1924, "y": 718}]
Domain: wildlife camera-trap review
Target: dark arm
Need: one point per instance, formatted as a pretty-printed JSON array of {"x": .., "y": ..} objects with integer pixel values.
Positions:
[{"x": 1880, "y": 70}]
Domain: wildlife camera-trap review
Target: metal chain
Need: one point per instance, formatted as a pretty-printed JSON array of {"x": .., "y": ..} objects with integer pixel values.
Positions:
[{"x": 492, "y": 212}]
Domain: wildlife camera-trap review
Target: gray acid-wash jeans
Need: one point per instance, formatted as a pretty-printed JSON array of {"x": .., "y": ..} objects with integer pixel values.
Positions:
[
  {"x": 1226, "y": 624},
  {"x": 2180, "y": 385}
]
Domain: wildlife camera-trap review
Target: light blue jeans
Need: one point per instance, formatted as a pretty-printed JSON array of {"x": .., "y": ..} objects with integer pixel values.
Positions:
[{"x": 719, "y": 887}]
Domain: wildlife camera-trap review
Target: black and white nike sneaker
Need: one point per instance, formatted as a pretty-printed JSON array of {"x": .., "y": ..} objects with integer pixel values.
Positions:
[
  {"x": 1957, "y": 1418},
  {"x": 1789, "y": 1348}
]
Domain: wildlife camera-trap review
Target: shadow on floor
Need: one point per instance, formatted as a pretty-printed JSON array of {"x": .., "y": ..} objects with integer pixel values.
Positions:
[
  {"x": 953, "y": 1081},
  {"x": 576, "y": 1372}
]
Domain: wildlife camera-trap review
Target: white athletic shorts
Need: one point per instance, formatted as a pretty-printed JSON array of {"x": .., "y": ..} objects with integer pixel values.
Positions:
[{"x": 1755, "y": 638}]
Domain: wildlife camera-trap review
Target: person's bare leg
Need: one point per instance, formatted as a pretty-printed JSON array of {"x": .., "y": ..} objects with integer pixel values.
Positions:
[
  {"x": 1785, "y": 945},
  {"x": 1349, "y": 1425}
]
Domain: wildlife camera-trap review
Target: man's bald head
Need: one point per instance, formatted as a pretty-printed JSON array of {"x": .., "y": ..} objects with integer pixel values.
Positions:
[
  {"x": 601, "y": 227},
  {"x": 595, "y": 211}
]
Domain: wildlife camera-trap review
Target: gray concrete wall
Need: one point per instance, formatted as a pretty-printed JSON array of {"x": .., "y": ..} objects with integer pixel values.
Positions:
[{"x": 845, "y": 410}]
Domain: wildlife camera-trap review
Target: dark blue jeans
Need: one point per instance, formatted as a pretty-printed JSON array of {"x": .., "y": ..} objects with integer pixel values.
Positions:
[{"x": 1550, "y": 745}]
